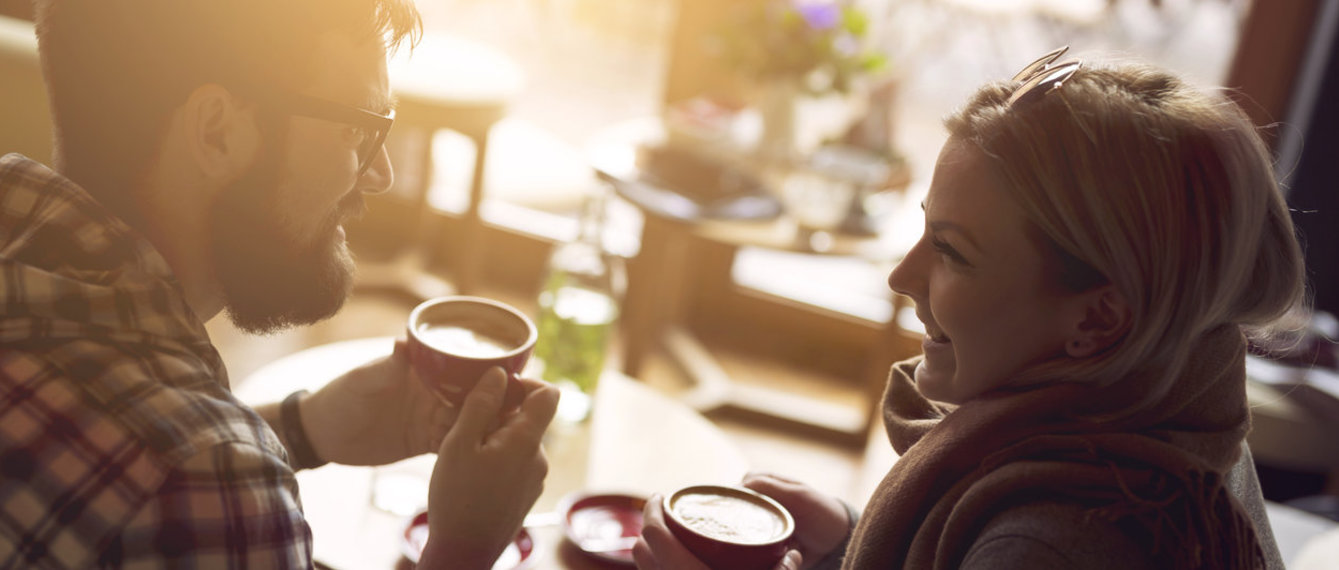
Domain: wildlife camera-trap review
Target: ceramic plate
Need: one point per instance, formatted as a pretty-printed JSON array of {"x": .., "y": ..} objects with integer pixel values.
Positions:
[
  {"x": 515, "y": 557},
  {"x": 603, "y": 525}
]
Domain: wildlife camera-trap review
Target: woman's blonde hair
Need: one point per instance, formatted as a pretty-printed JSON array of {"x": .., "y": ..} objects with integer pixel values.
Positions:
[{"x": 1135, "y": 178}]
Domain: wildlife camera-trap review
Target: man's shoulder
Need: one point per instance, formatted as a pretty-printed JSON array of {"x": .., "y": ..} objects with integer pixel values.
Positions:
[
  {"x": 169, "y": 403},
  {"x": 29, "y": 188},
  {"x": 126, "y": 462},
  {"x": 48, "y": 221}
]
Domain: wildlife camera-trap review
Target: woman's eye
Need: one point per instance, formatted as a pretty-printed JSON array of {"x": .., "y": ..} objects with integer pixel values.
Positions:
[{"x": 947, "y": 251}]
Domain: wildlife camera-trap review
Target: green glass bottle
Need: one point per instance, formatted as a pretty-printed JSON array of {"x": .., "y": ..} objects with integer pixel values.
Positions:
[{"x": 578, "y": 308}]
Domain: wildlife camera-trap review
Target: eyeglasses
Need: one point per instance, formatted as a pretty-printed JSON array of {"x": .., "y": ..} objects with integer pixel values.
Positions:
[
  {"x": 372, "y": 127},
  {"x": 1041, "y": 77}
]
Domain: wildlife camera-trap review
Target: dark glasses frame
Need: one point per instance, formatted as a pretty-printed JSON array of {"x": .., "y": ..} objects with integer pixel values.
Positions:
[
  {"x": 1042, "y": 77},
  {"x": 376, "y": 125}
]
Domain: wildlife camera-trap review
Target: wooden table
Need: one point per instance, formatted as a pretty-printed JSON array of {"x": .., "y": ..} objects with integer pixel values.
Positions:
[
  {"x": 662, "y": 274},
  {"x": 636, "y": 441}
]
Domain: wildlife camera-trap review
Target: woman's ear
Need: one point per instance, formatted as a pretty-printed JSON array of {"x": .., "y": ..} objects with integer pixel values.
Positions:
[
  {"x": 220, "y": 132},
  {"x": 1106, "y": 319}
]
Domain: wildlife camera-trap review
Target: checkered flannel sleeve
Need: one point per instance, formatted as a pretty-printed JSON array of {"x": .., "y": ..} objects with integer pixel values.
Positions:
[
  {"x": 232, "y": 506},
  {"x": 80, "y": 490}
]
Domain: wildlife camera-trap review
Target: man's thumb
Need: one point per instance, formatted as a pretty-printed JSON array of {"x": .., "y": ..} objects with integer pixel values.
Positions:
[{"x": 483, "y": 404}]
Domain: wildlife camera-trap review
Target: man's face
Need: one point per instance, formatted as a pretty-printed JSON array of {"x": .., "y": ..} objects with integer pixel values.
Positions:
[{"x": 278, "y": 242}]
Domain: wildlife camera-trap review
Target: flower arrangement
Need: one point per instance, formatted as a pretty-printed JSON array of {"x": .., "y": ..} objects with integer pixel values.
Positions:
[{"x": 818, "y": 43}]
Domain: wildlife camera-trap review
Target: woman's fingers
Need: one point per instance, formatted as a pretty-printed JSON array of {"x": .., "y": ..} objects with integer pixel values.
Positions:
[
  {"x": 641, "y": 555},
  {"x": 760, "y": 481},
  {"x": 793, "y": 495},
  {"x": 664, "y": 550},
  {"x": 821, "y": 521}
]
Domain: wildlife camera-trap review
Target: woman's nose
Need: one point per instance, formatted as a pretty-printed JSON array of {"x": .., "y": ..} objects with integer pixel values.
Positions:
[{"x": 908, "y": 277}]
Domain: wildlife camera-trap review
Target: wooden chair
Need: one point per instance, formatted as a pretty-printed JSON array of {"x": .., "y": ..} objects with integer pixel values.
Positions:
[{"x": 443, "y": 83}]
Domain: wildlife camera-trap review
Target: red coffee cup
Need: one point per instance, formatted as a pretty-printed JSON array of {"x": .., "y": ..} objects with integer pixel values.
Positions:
[
  {"x": 729, "y": 527},
  {"x": 454, "y": 340}
]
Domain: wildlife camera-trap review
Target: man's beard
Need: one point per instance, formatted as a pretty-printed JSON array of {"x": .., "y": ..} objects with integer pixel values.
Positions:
[{"x": 269, "y": 282}]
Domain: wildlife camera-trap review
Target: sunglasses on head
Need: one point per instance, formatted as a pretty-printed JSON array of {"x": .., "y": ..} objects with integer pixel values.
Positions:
[{"x": 1042, "y": 77}]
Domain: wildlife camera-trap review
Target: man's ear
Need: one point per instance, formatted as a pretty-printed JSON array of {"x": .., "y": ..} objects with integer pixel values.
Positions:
[
  {"x": 220, "y": 132},
  {"x": 1106, "y": 319}
]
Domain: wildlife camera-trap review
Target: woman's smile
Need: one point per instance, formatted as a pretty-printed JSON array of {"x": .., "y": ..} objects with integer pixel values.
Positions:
[
  {"x": 981, "y": 286},
  {"x": 935, "y": 339}
]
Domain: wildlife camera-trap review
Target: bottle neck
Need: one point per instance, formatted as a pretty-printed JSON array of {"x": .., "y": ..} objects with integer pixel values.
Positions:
[{"x": 590, "y": 229}]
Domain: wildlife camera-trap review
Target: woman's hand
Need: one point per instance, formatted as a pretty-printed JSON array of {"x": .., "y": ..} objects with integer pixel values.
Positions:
[
  {"x": 821, "y": 521},
  {"x": 376, "y": 414},
  {"x": 657, "y": 549},
  {"x": 489, "y": 472}
]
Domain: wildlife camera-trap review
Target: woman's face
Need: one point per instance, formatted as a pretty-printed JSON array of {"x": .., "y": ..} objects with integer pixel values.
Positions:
[{"x": 990, "y": 305}]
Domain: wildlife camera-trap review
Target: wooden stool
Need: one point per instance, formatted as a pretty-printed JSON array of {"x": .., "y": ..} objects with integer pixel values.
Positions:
[{"x": 450, "y": 83}]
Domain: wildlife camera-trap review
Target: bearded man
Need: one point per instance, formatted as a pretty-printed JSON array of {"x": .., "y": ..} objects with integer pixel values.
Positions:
[{"x": 207, "y": 153}]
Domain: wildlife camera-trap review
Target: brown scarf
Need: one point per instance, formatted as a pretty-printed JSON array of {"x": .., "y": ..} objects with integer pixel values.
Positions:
[{"x": 1158, "y": 473}]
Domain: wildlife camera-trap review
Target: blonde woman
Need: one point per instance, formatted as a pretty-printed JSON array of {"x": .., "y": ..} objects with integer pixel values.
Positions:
[{"x": 1099, "y": 240}]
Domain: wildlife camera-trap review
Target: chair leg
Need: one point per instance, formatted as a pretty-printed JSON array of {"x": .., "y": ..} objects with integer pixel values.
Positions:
[{"x": 471, "y": 248}]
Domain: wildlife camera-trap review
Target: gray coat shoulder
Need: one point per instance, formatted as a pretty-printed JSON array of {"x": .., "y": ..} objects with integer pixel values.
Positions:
[{"x": 1053, "y": 535}]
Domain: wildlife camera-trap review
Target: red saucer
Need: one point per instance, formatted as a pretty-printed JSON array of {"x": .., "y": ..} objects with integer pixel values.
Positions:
[
  {"x": 515, "y": 557},
  {"x": 603, "y": 525}
]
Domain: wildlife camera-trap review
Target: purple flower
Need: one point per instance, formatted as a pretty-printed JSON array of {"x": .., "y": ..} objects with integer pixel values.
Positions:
[{"x": 820, "y": 15}]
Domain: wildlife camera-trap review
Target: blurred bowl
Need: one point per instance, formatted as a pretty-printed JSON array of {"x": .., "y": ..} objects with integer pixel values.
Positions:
[
  {"x": 603, "y": 525},
  {"x": 515, "y": 557}
]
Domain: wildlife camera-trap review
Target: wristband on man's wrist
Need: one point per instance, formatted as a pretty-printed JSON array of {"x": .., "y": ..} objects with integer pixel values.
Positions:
[{"x": 300, "y": 452}]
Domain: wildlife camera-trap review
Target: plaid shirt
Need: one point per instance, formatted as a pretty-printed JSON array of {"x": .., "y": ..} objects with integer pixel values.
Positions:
[{"x": 121, "y": 445}]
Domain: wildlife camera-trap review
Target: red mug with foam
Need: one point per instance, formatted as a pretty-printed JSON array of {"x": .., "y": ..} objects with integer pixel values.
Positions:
[
  {"x": 454, "y": 340},
  {"x": 729, "y": 527}
]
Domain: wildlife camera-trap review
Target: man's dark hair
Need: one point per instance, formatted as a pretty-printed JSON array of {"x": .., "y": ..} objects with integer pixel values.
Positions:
[{"x": 116, "y": 69}]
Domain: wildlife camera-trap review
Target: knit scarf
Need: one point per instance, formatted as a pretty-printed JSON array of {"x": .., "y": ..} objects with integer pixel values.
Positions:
[{"x": 1159, "y": 473}]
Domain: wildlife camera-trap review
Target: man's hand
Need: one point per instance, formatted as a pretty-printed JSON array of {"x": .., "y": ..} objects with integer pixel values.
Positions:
[
  {"x": 657, "y": 549},
  {"x": 489, "y": 472},
  {"x": 376, "y": 414}
]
